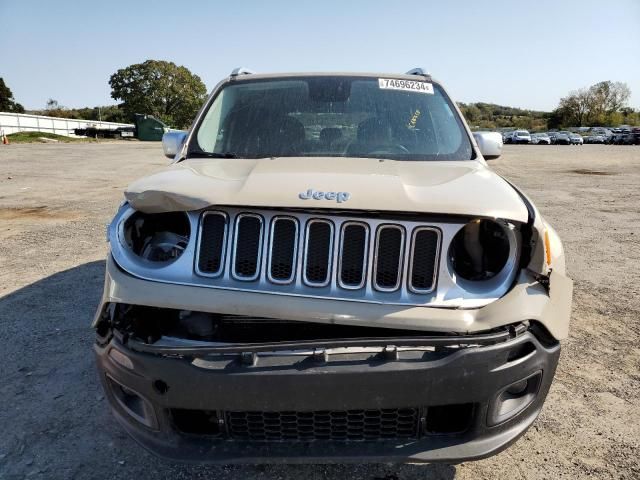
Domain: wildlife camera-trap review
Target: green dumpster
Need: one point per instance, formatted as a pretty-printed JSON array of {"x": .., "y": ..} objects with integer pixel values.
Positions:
[{"x": 149, "y": 129}]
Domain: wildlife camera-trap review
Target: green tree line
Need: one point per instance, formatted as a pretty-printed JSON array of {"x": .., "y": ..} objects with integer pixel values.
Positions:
[{"x": 491, "y": 116}]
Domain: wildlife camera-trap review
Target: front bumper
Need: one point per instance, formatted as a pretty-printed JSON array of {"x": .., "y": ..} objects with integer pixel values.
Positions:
[
  {"x": 431, "y": 384},
  {"x": 528, "y": 300}
]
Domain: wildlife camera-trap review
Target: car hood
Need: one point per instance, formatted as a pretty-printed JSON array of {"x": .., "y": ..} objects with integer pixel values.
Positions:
[{"x": 447, "y": 187}]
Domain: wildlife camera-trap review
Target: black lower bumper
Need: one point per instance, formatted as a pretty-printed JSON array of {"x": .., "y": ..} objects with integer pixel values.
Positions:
[{"x": 443, "y": 405}]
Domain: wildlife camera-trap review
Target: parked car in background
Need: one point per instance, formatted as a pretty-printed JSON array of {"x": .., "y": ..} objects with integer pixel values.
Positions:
[
  {"x": 521, "y": 136},
  {"x": 605, "y": 133},
  {"x": 620, "y": 136},
  {"x": 628, "y": 137},
  {"x": 540, "y": 139},
  {"x": 559, "y": 138},
  {"x": 576, "y": 139},
  {"x": 595, "y": 139}
]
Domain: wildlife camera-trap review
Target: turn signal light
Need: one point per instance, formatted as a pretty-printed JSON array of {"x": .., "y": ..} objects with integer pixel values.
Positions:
[{"x": 547, "y": 247}]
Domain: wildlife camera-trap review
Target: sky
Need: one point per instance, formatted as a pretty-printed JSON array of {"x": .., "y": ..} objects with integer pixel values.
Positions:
[{"x": 521, "y": 54}]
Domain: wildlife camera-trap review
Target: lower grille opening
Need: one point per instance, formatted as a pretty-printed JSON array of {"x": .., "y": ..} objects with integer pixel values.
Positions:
[
  {"x": 197, "y": 422},
  {"x": 325, "y": 425},
  {"x": 346, "y": 425},
  {"x": 447, "y": 419}
]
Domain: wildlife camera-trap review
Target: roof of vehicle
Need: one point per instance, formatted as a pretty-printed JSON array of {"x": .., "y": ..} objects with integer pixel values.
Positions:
[{"x": 261, "y": 76}]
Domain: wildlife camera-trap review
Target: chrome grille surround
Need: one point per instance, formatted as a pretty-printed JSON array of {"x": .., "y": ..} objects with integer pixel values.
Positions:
[
  {"x": 294, "y": 254},
  {"x": 414, "y": 235},
  {"x": 198, "y": 256},
  {"x": 361, "y": 284},
  {"x": 377, "y": 258},
  {"x": 449, "y": 291},
  {"x": 305, "y": 266},
  {"x": 236, "y": 230}
]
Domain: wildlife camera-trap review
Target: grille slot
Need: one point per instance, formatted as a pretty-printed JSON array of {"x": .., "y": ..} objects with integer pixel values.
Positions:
[
  {"x": 353, "y": 255},
  {"x": 247, "y": 247},
  {"x": 212, "y": 243},
  {"x": 334, "y": 425},
  {"x": 423, "y": 260},
  {"x": 283, "y": 243},
  {"x": 318, "y": 251},
  {"x": 388, "y": 257}
]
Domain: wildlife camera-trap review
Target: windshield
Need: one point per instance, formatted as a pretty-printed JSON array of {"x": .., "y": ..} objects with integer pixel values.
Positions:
[
  {"x": 332, "y": 116},
  {"x": 522, "y": 133}
]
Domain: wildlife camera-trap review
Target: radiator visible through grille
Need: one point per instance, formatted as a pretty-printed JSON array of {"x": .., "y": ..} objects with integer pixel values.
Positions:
[
  {"x": 312, "y": 254},
  {"x": 347, "y": 425}
]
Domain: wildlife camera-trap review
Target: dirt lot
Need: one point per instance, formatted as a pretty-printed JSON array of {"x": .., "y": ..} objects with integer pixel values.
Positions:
[{"x": 56, "y": 199}]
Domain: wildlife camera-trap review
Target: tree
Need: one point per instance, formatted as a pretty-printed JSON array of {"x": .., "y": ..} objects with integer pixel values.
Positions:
[
  {"x": 607, "y": 98},
  {"x": 162, "y": 89},
  {"x": 7, "y": 103},
  {"x": 600, "y": 104},
  {"x": 52, "y": 104}
]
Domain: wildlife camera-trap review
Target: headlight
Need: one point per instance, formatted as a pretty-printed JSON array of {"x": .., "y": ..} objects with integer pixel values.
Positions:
[
  {"x": 482, "y": 250},
  {"x": 159, "y": 237}
]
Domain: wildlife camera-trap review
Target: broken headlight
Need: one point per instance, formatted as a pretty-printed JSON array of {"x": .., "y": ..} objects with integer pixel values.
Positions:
[
  {"x": 483, "y": 250},
  {"x": 157, "y": 237}
]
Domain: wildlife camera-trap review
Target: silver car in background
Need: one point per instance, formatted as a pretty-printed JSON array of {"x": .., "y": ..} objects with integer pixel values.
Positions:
[
  {"x": 517, "y": 136},
  {"x": 540, "y": 139},
  {"x": 575, "y": 139}
]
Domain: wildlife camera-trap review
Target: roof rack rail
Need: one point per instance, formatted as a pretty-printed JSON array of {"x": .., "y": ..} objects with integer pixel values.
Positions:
[
  {"x": 241, "y": 71},
  {"x": 418, "y": 71}
]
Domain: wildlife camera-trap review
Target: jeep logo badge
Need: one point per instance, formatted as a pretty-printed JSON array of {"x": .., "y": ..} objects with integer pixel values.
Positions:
[{"x": 317, "y": 195}]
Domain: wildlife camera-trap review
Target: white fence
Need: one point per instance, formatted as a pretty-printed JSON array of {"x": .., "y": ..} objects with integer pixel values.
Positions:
[{"x": 20, "y": 122}]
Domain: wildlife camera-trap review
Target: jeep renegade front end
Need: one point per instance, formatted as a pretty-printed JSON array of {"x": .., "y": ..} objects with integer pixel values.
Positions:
[{"x": 329, "y": 271}]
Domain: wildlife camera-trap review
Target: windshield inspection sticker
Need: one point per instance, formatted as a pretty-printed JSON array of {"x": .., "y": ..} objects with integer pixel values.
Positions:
[{"x": 406, "y": 85}]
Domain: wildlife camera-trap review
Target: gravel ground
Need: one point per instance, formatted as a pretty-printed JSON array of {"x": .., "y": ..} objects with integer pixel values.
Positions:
[{"x": 56, "y": 199}]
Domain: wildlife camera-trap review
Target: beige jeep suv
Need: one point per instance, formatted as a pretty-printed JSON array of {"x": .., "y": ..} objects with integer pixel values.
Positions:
[{"x": 329, "y": 271}]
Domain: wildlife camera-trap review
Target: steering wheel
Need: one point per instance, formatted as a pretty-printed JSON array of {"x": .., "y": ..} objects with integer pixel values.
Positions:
[{"x": 396, "y": 148}]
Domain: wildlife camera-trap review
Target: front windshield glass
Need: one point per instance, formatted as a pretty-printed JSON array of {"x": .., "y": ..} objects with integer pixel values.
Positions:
[{"x": 332, "y": 116}]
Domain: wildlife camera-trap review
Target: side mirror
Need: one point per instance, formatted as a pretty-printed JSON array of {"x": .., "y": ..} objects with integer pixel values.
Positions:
[
  {"x": 490, "y": 144},
  {"x": 172, "y": 142}
]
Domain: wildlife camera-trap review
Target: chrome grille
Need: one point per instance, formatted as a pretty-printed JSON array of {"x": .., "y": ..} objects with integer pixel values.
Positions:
[{"x": 316, "y": 255}]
